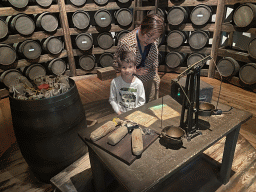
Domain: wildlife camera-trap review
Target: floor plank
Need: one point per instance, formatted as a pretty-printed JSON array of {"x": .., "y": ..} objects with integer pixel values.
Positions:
[{"x": 16, "y": 176}]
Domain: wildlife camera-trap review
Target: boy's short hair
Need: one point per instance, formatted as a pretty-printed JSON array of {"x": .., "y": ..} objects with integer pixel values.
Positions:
[{"x": 125, "y": 56}]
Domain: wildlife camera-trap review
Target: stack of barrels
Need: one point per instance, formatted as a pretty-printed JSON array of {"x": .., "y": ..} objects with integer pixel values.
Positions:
[
  {"x": 244, "y": 18},
  {"x": 102, "y": 20},
  {"x": 197, "y": 40}
]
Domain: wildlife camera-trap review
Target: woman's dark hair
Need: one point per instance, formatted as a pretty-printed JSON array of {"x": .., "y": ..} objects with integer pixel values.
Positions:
[
  {"x": 152, "y": 22},
  {"x": 125, "y": 56}
]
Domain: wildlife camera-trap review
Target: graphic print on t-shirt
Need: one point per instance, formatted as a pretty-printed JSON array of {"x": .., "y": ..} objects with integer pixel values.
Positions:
[{"x": 128, "y": 97}]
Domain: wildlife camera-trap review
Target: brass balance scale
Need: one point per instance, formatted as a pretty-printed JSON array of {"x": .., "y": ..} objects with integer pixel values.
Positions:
[{"x": 191, "y": 107}]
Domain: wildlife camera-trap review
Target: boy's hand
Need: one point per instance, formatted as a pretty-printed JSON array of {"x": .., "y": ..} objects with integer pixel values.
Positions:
[{"x": 142, "y": 71}]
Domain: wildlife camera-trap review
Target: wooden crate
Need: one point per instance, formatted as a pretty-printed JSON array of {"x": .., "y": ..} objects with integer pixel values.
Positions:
[{"x": 106, "y": 73}]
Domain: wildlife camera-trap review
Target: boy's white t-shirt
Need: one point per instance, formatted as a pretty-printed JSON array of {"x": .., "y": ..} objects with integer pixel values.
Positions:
[{"x": 126, "y": 96}]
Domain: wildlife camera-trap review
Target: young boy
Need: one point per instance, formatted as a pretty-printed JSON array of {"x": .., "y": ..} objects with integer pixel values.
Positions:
[{"x": 126, "y": 91}]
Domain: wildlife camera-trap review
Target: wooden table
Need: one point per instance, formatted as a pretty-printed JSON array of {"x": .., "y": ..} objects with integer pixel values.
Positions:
[{"x": 157, "y": 162}]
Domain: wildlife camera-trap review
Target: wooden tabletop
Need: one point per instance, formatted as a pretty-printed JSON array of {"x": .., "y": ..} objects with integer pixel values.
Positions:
[{"x": 158, "y": 163}]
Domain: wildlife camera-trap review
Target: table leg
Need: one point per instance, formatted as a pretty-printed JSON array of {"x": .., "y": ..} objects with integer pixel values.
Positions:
[
  {"x": 228, "y": 155},
  {"x": 97, "y": 171}
]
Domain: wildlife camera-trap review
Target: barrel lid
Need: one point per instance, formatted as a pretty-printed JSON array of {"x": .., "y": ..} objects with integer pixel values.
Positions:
[
  {"x": 101, "y": 2},
  {"x": 7, "y": 54},
  {"x": 57, "y": 66},
  {"x": 84, "y": 41},
  {"x": 81, "y": 19},
  {"x": 24, "y": 24},
  {"x": 10, "y": 77},
  {"x": 200, "y": 15},
  {"x": 44, "y": 3},
  {"x": 176, "y": 15},
  {"x": 226, "y": 66},
  {"x": 124, "y": 17},
  {"x": 31, "y": 49},
  {"x": 106, "y": 60},
  {"x": 4, "y": 29},
  {"x": 198, "y": 39},
  {"x": 34, "y": 71},
  {"x": 123, "y": 1},
  {"x": 243, "y": 15},
  {"x": 252, "y": 48},
  {"x": 103, "y": 18},
  {"x": 87, "y": 62},
  {"x": 193, "y": 58},
  {"x": 105, "y": 40},
  {"x": 247, "y": 73},
  {"x": 173, "y": 59},
  {"x": 49, "y": 22},
  {"x": 175, "y": 39},
  {"x": 121, "y": 34},
  {"x": 54, "y": 45},
  {"x": 159, "y": 12},
  {"x": 19, "y": 3},
  {"x": 78, "y": 3}
]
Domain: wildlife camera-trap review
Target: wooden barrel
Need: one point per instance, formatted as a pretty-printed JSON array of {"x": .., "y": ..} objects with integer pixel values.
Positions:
[
  {"x": 105, "y": 40},
  {"x": 103, "y": 18},
  {"x": 201, "y": 15},
  {"x": 87, "y": 62},
  {"x": 245, "y": 15},
  {"x": 198, "y": 39},
  {"x": 120, "y": 35},
  {"x": 3, "y": 29},
  {"x": 84, "y": 41},
  {"x": 78, "y": 3},
  {"x": 176, "y": 38},
  {"x": 159, "y": 12},
  {"x": 43, "y": 3},
  {"x": 30, "y": 49},
  {"x": 46, "y": 131},
  {"x": 123, "y": 16},
  {"x": 177, "y": 15},
  {"x": 10, "y": 77},
  {"x": 22, "y": 24},
  {"x": 101, "y": 2},
  {"x": 174, "y": 59},
  {"x": 19, "y": 4},
  {"x": 47, "y": 22},
  {"x": 252, "y": 48},
  {"x": 35, "y": 70},
  {"x": 53, "y": 45},
  {"x": 7, "y": 54},
  {"x": 247, "y": 73},
  {"x": 106, "y": 60},
  {"x": 57, "y": 66},
  {"x": 81, "y": 19},
  {"x": 228, "y": 67},
  {"x": 193, "y": 58}
]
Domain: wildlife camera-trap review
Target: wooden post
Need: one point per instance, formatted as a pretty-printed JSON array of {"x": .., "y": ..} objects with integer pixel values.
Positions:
[
  {"x": 139, "y": 14},
  {"x": 67, "y": 39},
  {"x": 216, "y": 36}
]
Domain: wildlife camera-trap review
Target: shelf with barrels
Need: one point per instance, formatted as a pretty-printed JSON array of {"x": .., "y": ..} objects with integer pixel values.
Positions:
[
  {"x": 95, "y": 28},
  {"x": 31, "y": 39},
  {"x": 238, "y": 67},
  {"x": 189, "y": 28}
]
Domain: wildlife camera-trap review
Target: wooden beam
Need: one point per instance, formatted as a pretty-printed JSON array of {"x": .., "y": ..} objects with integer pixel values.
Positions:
[
  {"x": 35, "y": 36},
  {"x": 240, "y": 56},
  {"x": 216, "y": 36},
  {"x": 67, "y": 38},
  {"x": 6, "y": 11}
]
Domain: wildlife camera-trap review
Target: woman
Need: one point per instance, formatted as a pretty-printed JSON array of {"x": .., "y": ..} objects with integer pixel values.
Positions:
[{"x": 143, "y": 42}]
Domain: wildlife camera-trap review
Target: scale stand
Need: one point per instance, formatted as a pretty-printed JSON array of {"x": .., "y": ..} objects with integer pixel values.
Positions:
[{"x": 190, "y": 106}]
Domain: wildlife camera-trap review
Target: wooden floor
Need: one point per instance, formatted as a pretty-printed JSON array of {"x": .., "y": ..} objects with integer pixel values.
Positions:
[{"x": 15, "y": 175}]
